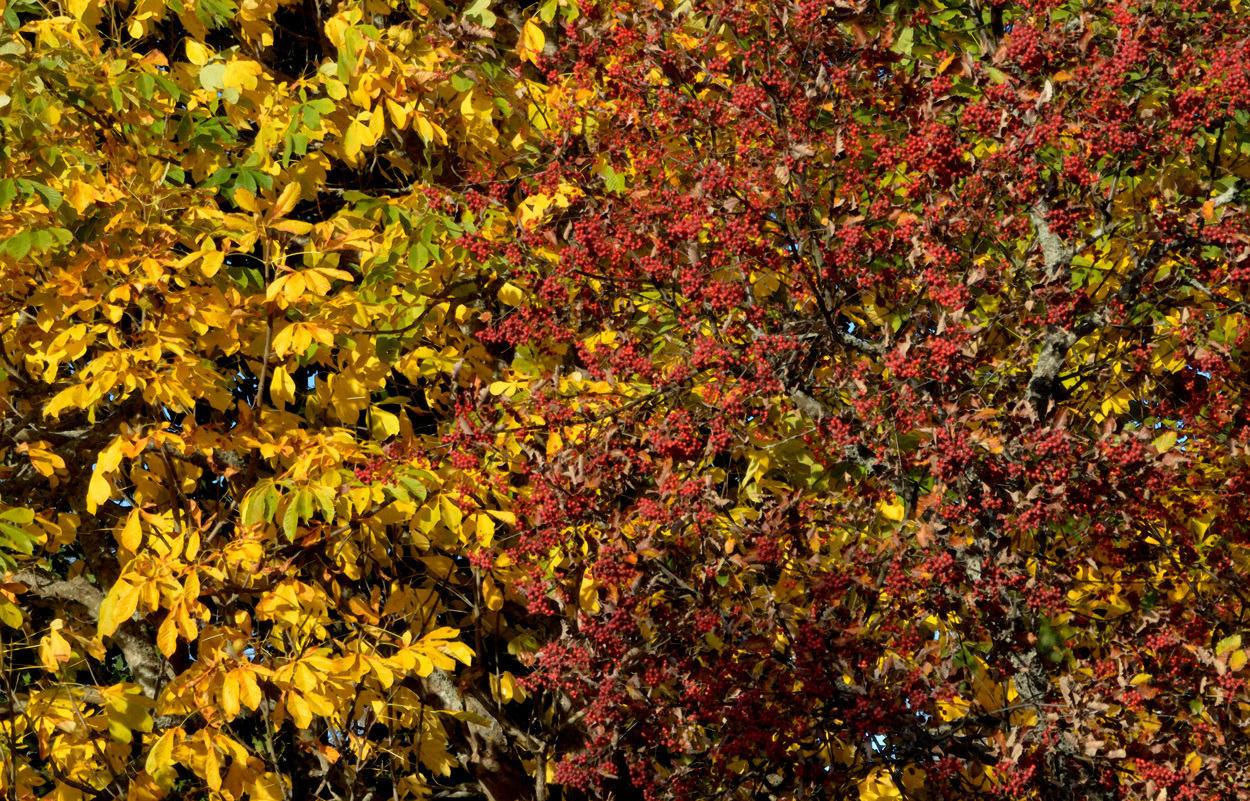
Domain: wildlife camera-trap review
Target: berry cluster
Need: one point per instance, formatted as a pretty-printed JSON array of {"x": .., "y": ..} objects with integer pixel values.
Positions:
[{"x": 380, "y": 469}]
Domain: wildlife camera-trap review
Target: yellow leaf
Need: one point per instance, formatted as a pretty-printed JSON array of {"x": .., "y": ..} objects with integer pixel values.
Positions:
[
  {"x": 913, "y": 778},
  {"x": 162, "y": 753},
  {"x": 230, "y": 695},
  {"x": 53, "y": 648},
  {"x": 167, "y": 636},
  {"x": 86, "y": 11},
  {"x": 1237, "y": 660},
  {"x": 298, "y": 708},
  {"x": 320, "y": 705},
  {"x": 399, "y": 114},
  {"x": 1164, "y": 442},
  {"x": 353, "y": 140},
  {"x": 439, "y": 566},
  {"x": 893, "y": 510},
  {"x": 127, "y": 711},
  {"x": 512, "y": 294},
  {"x": 282, "y": 388},
  {"x": 293, "y": 287},
  {"x": 118, "y": 606},
  {"x": 317, "y": 282},
  {"x": 1199, "y": 525},
  {"x": 245, "y": 200},
  {"x": 459, "y": 651},
  {"x": 99, "y": 489},
  {"x": 505, "y": 388},
  {"x": 249, "y": 690},
  {"x": 43, "y": 459},
  {"x": 287, "y": 201},
  {"x": 377, "y": 127},
  {"x": 382, "y": 424},
  {"x": 494, "y": 598},
  {"x": 197, "y": 54},
  {"x": 10, "y": 613},
  {"x": 424, "y": 127},
  {"x": 1227, "y": 644},
  {"x": 588, "y": 596},
  {"x": 186, "y": 625},
  {"x": 212, "y": 768},
  {"x": 242, "y": 75},
  {"x": 467, "y": 108},
  {"x": 77, "y": 396},
  {"x": 505, "y": 688},
  {"x": 485, "y": 530},
  {"x": 452, "y": 516},
  {"x": 211, "y": 261},
  {"x": 296, "y": 227},
  {"x": 132, "y": 534},
  {"x": 1116, "y": 404},
  {"x": 81, "y": 195},
  {"x": 531, "y": 210},
  {"x": 531, "y": 42},
  {"x": 305, "y": 679}
]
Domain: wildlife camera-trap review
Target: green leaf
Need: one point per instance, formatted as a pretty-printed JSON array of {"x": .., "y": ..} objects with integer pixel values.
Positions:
[
  {"x": 306, "y": 503},
  {"x": 290, "y": 520},
  {"x": 145, "y": 84},
  {"x": 480, "y": 13},
  {"x": 10, "y": 613},
  {"x": 169, "y": 88},
  {"x": 213, "y": 76},
  {"x": 523, "y": 643},
  {"x": 51, "y": 197},
  {"x": 612, "y": 181},
  {"x": 214, "y": 13},
  {"x": 17, "y": 539},
  {"x": 905, "y": 41},
  {"x": 345, "y": 65},
  {"x": 414, "y": 486},
  {"x": 1164, "y": 442},
  {"x": 326, "y": 501},
  {"x": 18, "y": 245},
  {"x": 19, "y": 516}
]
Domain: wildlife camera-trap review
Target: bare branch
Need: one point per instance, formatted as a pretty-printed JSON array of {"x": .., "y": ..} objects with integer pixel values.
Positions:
[{"x": 149, "y": 668}]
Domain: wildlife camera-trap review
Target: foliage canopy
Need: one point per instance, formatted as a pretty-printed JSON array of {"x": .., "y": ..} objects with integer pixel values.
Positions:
[{"x": 624, "y": 399}]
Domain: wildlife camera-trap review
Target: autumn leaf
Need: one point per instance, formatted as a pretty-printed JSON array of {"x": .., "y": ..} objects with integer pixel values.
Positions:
[{"x": 672, "y": 401}]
